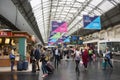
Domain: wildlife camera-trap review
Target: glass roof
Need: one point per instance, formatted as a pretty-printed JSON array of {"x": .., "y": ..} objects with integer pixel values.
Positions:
[{"x": 70, "y": 11}]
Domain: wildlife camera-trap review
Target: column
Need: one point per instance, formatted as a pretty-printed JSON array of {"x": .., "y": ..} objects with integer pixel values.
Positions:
[{"x": 22, "y": 48}]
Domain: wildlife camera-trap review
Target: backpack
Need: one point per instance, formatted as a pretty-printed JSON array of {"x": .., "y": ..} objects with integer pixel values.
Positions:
[
  {"x": 111, "y": 55},
  {"x": 90, "y": 51}
]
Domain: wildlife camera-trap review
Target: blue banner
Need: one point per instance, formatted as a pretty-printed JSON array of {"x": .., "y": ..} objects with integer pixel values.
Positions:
[
  {"x": 74, "y": 38},
  {"x": 55, "y": 25},
  {"x": 67, "y": 39},
  {"x": 91, "y": 22}
]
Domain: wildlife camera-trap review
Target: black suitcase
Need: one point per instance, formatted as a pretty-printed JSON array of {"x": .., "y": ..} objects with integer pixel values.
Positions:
[
  {"x": 25, "y": 65},
  {"x": 19, "y": 66},
  {"x": 33, "y": 66}
]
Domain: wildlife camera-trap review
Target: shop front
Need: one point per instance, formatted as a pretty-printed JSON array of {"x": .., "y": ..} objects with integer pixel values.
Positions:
[{"x": 18, "y": 41}]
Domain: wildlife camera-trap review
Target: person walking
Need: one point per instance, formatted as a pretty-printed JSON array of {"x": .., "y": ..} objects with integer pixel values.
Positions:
[
  {"x": 107, "y": 58},
  {"x": 57, "y": 57},
  {"x": 90, "y": 52},
  {"x": 85, "y": 58},
  {"x": 44, "y": 62},
  {"x": 32, "y": 54},
  {"x": 77, "y": 59},
  {"x": 37, "y": 57}
]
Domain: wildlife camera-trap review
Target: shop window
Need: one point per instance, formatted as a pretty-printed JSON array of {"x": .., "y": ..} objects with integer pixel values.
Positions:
[
  {"x": 0, "y": 40},
  {"x": 13, "y": 43},
  {"x": 7, "y": 41}
]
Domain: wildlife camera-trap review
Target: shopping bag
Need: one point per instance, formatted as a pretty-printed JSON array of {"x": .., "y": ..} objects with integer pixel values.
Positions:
[
  {"x": 104, "y": 64},
  {"x": 81, "y": 63}
]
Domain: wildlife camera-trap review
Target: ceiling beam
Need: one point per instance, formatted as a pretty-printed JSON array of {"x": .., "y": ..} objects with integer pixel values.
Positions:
[{"x": 20, "y": 6}]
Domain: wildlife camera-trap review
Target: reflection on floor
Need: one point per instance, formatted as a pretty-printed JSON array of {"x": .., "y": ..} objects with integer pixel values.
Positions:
[{"x": 66, "y": 71}]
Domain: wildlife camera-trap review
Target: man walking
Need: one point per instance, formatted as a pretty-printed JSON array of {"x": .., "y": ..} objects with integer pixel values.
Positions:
[{"x": 37, "y": 57}]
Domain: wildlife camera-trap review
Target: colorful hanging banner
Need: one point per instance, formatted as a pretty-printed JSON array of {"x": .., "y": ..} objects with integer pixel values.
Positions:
[
  {"x": 53, "y": 40},
  {"x": 52, "y": 33},
  {"x": 56, "y": 36},
  {"x": 59, "y": 26},
  {"x": 91, "y": 22},
  {"x": 67, "y": 40},
  {"x": 55, "y": 25},
  {"x": 50, "y": 43}
]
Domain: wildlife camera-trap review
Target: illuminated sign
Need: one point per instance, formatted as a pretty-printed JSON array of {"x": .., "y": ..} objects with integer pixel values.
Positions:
[{"x": 2, "y": 34}]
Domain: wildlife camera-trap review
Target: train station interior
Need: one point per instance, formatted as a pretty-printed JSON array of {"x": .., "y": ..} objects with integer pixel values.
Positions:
[{"x": 59, "y": 39}]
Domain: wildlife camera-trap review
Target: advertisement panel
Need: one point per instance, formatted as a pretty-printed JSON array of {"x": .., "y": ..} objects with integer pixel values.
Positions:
[
  {"x": 59, "y": 26},
  {"x": 91, "y": 22}
]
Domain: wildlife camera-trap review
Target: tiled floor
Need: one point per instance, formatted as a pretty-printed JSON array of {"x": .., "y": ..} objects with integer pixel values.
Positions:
[
  {"x": 8, "y": 69},
  {"x": 66, "y": 71}
]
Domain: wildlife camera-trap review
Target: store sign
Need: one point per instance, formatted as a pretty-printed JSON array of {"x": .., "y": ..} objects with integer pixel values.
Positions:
[
  {"x": 21, "y": 35},
  {"x": 2, "y": 33}
]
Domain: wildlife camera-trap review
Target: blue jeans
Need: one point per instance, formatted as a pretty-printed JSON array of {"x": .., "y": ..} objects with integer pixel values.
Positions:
[
  {"x": 12, "y": 65},
  {"x": 44, "y": 69},
  {"x": 109, "y": 62},
  {"x": 57, "y": 60}
]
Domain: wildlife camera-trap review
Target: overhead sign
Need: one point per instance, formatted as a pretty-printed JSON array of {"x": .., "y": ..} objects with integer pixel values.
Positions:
[
  {"x": 53, "y": 40},
  {"x": 56, "y": 36},
  {"x": 59, "y": 26},
  {"x": 73, "y": 38},
  {"x": 66, "y": 39},
  {"x": 3, "y": 33},
  {"x": 91, "y": 22}
]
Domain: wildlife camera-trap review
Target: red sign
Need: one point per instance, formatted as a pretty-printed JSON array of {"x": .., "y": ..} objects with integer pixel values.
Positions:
[
  {"x": 2, "y": 33},
  {"x": 20, "y": 35}
]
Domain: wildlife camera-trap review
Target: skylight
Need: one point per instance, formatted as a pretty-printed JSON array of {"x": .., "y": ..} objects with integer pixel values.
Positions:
[{"x": 70, "y": 11}]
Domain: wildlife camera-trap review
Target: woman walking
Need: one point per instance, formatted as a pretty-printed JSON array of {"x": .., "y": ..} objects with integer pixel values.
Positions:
[
  {"x": 44, "y": 62},
  {"x": 85, "y": 58},
  {"x": 77, "y": 58},
  {"x": 107, "y": 58}
]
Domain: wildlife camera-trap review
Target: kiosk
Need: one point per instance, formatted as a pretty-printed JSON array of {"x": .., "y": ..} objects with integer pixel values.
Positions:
[{"x": 19, "y": 41}]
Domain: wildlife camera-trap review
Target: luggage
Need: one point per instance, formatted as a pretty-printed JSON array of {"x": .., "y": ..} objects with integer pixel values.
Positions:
[
  {"x": 19, "y": 66},
  {"x": 49, "y": 67},
  {"x": 104, "y": 64},
  {"x": 25, "y": 65},
  {"x": 33, "y": 66}
]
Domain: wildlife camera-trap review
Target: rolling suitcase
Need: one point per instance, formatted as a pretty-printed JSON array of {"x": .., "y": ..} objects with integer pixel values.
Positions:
[
  {"x": 33, "y": 66},
  {"x": 19, "y": 66},
  {"x": 25, "y": 65},
  {"x": 50, "y": 67}
]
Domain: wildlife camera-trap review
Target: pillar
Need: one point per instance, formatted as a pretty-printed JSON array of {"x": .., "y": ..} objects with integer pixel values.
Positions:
[{"x": 22, "y": 48}]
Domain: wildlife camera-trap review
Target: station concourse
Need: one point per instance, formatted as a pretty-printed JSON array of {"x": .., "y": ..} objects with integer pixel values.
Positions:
[{"x": 59, "y": 39}]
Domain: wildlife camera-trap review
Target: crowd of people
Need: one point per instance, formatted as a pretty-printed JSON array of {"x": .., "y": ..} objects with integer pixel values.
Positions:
[{"x": 78, "y": 54}]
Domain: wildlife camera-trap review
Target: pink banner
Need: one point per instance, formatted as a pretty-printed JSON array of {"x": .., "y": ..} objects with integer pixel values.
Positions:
[{"x": 61, "y": 28}]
